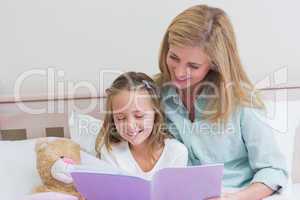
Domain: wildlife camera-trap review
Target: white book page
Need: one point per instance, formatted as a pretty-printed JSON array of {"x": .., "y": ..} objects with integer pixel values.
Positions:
[{"x": 92, "y": 164}]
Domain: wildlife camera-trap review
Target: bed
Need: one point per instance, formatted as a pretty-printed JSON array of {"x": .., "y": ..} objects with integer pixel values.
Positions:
[{"x": 21, "y": 122}]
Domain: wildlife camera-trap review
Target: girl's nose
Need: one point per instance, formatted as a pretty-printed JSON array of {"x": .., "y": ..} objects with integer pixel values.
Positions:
[
  {"x": 132, "y": 126},
  {"x": 181, "y": 72}
]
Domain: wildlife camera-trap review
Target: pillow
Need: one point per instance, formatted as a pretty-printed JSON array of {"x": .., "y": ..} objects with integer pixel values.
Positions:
[
  {"x": 84, "y": 130},
  {"x": 17, "y": 169}
]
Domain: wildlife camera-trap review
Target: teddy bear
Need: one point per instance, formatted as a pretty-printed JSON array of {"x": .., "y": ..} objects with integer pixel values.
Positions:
[{"x": 55, "y": 157}]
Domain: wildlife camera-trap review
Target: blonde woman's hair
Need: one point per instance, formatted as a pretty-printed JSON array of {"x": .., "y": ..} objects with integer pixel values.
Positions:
[
  {"x": 132, "y": 81},
  {"x": 210, "y": 29}
]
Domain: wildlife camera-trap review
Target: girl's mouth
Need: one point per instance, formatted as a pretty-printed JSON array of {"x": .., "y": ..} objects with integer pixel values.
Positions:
[{"x": 135, "y": 133}]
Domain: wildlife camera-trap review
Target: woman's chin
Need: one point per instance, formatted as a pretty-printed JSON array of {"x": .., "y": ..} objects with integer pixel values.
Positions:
[
  {"x": 182, "y": 86},
  {"x": 186, "y": 85}
]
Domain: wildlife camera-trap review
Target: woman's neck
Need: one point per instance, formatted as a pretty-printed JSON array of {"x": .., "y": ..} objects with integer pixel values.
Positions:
[{"x": 188, "y": 97}]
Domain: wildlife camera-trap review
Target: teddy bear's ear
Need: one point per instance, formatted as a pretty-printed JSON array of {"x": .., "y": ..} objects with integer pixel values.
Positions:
[{"x": 41, "y": 144}]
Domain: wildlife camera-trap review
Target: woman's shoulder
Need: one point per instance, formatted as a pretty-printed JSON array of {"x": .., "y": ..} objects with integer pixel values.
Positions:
[{"x": 244, "y": 112}]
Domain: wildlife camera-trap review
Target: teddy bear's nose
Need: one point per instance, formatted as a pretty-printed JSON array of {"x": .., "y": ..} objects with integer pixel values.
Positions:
[
  {"x": 68, "y": 161},
  {"x": 62, "y": 157}
]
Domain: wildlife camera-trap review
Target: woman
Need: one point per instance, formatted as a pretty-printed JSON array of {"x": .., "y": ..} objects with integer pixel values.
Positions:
[{"x": 211, "y": 107}]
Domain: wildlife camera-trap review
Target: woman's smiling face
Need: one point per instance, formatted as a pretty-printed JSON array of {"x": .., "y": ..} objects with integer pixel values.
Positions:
[{"x": 187, "y": 65}]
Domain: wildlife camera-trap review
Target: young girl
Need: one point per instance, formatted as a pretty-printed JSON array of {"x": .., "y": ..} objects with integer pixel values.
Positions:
[
  {"x": 133, "y": 138},
  {"x": 210, "y": 104}
]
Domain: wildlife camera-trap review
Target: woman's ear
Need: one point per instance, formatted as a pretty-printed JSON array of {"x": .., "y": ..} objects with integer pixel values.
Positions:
[{"x": 213, "y": 67}]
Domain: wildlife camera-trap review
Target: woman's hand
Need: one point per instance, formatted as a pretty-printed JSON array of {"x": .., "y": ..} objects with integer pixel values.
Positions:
[
  {"x": 255, "y": 191},
  {"x": 228, "y": 196}
]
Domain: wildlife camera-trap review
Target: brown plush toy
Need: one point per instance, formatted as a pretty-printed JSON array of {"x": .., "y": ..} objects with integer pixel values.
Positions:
[{"x": 54, "y": 158}]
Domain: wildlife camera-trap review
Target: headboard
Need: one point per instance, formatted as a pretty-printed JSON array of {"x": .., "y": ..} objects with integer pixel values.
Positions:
[{"x": 32, "y": 118}]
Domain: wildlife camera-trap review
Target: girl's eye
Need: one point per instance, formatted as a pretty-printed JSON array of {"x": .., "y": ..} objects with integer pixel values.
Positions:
[
  {"x": 119, "y": 118},
  {"x": 139, "y": 116},
  {"x": 174, "y": 58}
]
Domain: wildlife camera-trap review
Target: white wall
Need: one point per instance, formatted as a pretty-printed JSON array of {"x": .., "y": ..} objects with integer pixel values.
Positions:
[{"x": 83, "y": 37}]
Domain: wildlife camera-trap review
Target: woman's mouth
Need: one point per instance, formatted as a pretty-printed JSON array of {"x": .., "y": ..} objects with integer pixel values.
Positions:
[{"x": 182, "y": 81}]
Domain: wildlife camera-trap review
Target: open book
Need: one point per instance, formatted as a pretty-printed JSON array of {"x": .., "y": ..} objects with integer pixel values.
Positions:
[{"x": 190, "y": 183}]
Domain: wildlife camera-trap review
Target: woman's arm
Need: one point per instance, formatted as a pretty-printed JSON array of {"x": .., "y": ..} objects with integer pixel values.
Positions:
[
  {"x": 255, "y": 191},
  {"x": 266, "y": 160}
]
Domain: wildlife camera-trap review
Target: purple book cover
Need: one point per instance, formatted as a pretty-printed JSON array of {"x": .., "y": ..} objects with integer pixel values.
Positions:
[{"x": 190, "y": 183}]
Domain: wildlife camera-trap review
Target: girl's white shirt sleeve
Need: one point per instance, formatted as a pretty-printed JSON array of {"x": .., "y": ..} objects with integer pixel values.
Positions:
[{"x": 108, "y": 157}]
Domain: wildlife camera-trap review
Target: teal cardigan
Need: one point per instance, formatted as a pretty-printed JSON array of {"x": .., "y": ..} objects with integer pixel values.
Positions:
[{"x": 245, "y": 144}]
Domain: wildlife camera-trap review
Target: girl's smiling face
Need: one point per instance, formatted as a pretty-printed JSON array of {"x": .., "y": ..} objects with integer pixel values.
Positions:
[
  {"x": 133, "y": 115},
  {"x": 187, "y": 65}
]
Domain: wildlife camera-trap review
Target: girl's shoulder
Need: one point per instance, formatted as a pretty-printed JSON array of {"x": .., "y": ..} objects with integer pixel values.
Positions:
[
  {"x": 174, "y": 146},
  {"x": 116, "y": 149}
]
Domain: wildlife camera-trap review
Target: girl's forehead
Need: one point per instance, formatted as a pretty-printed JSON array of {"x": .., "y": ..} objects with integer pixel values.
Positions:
[{"x": 131, "y": 101}]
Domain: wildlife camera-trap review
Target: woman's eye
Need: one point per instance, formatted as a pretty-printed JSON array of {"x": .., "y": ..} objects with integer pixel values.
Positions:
[{"x": 194, "y": 66}]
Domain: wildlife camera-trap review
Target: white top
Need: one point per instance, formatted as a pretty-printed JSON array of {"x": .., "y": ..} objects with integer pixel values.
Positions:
[{"x": 174, "y": 154}]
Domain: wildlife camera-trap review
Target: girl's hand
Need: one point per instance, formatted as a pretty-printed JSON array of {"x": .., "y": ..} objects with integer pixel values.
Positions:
[{"x": 82, "y": 198}]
